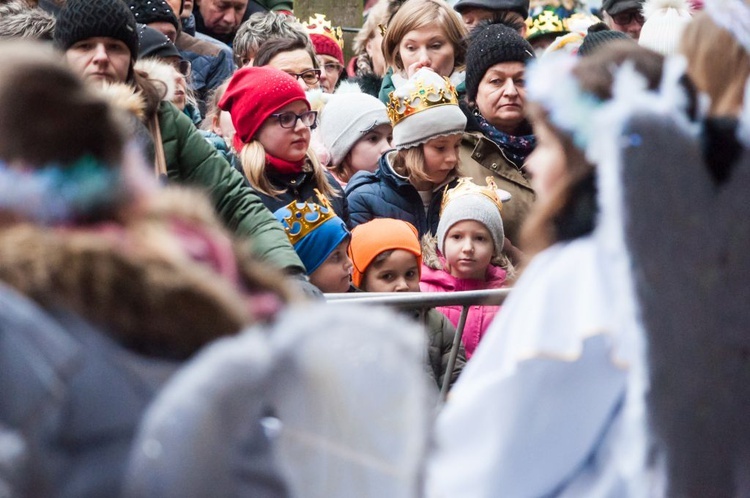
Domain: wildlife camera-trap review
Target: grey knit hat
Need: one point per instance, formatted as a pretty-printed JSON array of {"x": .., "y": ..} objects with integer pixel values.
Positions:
[
  {"x": 474, "y": 207},
  {"x": 345, "y": 119},
  {"x": 489, "y": 45}
]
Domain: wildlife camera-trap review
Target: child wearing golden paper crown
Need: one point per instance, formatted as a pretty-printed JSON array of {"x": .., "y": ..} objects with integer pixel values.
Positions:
[
  {"x": 409, "y": 182},
  {"x": 467, "y": 254},
  {"x": 321, "y": 241}
]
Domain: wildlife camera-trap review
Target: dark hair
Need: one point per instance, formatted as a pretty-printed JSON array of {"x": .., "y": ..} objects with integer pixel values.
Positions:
[
  {"x": 64, "y": 119},
  {"x": 271, "y": 48}
]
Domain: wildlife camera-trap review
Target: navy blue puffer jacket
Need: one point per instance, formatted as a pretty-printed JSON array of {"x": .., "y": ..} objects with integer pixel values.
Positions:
[{"x": 386, "y": 194}]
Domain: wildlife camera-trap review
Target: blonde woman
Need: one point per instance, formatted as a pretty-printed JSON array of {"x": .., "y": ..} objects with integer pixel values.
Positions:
[
  {"x": 424, "y": 33},
  {"x": 272, "y": 119}
]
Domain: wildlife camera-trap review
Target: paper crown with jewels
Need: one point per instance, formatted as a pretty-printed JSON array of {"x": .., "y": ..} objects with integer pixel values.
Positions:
[
  {"x": 304, "y": 217},
  {"x": 420, "y": 94},
  {"x": 319, "y": 25},
  {"x": 466, "y": 186}
]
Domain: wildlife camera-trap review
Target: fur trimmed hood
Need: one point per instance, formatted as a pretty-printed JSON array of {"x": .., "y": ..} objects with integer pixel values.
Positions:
[{"x": 163, "y": 284}]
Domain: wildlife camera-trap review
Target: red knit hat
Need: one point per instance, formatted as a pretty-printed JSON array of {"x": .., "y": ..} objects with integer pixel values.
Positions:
[
  {"x": 253, "y": 94},
  {"x": 326, "y": 46}
]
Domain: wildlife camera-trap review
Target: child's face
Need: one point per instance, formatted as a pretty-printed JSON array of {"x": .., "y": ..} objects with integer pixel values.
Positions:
[
  {"x": 399, "y": 272},
  {"x": 441, "y": 157},
  {"x": 288, "y": 144},
  {"x": 333, "y": 275},
  {"x": 367, "y": 151},
  {"x": 427, "y": 47},
  {"x": 547, "y": 163},
  {"x": 468, "y": 249}
]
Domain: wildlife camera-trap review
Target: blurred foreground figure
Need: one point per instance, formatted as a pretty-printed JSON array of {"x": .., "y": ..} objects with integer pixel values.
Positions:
[
  {"x": 107, "y": 282},
  {"x": 321, "y": 403}
]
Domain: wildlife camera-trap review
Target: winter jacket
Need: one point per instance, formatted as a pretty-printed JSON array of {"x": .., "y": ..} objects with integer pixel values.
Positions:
[
  {"x": 481, "y": 157},
  {"x": 192, "y": 161},
  {"x": 211, "y": 65},
  {"x": 440, "y": 333},
  {"x": 74, "y": 396},
  {"x": 301, "y": 187},
  {"x": 386, "y": 194},
  {"x": 479, "y": 317}
]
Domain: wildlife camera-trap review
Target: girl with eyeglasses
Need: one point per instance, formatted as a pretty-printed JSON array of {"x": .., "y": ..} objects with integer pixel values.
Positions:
[{"x": 272, "y": 119}]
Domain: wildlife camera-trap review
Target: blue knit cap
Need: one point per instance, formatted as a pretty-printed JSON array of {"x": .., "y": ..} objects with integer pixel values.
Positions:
[{"x": 314, "y": 247}]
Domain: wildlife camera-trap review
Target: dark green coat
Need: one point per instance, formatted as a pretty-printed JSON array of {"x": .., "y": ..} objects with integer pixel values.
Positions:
[{"x": 193, "y": 161}]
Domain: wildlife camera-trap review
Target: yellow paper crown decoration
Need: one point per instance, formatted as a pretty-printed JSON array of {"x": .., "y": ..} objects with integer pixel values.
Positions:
[
  {"x": 547, "y": 22},
  {"x": 466, "y": 186},
  {"x": 418, "y": 96},
  {"x": 319, "y": 25},
  {"x": 304, "y": 217}
]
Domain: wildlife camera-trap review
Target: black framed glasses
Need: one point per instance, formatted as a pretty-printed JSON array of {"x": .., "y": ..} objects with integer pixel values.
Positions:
[
  {"x": 289, "y": 119},
  {"x": 627, "y": 17},
  {"x": 309, "y": 76}
]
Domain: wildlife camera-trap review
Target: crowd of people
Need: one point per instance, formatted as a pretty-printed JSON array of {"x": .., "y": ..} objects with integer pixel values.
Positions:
[{"x": 188, "y": 187}]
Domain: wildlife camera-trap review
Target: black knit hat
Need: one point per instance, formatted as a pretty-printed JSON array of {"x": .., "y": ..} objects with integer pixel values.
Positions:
[
  {"x": 154, "y": 43},
  {"x": 148, "y": 11},
  {"x": 489, "y": 45},
  {"x": 598, "y": 36},
  {"x": 82, "y": 19}
]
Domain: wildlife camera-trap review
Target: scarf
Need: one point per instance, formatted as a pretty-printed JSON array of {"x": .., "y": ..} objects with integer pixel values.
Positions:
[
  {"x": 516, "y": 148},
  {"x": 284, "y": 167}
]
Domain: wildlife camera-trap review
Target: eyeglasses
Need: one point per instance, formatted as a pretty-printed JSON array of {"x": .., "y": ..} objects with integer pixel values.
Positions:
[
  {"x": 332, "y": 67},
  {"x": 289, "y": 119},
  {"x": 625, "y": 18},
  {"x": 310, "y": 76},
  {"x": 184, "y": 67}
]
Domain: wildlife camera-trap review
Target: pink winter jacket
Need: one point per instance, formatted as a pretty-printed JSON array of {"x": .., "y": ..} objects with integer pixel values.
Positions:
[{"x": 479, "y": 317}]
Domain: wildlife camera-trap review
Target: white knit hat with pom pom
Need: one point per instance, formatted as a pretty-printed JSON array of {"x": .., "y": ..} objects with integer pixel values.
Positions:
[{"x": 665, "y": 20}]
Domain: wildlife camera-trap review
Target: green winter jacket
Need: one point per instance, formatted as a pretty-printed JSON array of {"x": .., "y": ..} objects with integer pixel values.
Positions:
[{"x": 193, "y": 161}]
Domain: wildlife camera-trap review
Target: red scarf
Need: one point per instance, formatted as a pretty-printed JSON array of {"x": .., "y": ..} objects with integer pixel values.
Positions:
[{"x": 284, "y": 167}]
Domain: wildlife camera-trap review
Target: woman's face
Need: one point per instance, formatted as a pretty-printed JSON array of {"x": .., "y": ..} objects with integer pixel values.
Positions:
[
  {"x": 180, "y": 94},
  {"x": 367, "y": 151},
  {"x": 547, "y": 164},
  {"x": 427, "y": 47},
  {"x": 297, "y": 63},
  {"x": 288, "y": 144},
  {"x": 501, "y": 96}
]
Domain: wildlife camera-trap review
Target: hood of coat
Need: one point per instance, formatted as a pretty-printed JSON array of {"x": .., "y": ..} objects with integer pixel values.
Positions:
[
  {"x": 163, "y": 284},
  {"x": 161, "y": 74}
]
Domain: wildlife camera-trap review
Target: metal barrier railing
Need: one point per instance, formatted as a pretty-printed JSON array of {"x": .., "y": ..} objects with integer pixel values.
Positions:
[{"x": 422, "y": 301}]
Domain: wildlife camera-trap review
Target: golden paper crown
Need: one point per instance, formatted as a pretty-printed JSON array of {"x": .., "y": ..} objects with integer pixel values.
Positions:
[
  {"x": 424, "y": 96},
  {"x": 547, "y": 22},
  {"x": 304, "y": 217},
  {"x": 319, "y": 25},
  {"x": 466, "y": 186}
]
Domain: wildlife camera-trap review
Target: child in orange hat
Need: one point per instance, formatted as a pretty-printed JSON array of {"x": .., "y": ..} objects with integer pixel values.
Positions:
[{"x": 387, "y": 257}]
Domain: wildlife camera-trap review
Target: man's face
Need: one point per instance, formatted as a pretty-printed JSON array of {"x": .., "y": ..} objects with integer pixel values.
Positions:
[
  {"x": 100, "y": 59},
  {"x": 222, "y": 16},
  {"x": 628, "y": 21}
]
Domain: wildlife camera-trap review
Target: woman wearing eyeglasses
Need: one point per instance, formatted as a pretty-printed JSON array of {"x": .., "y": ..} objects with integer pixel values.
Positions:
[
  {"x": 272, "y": 118},
  {"x": 294, "y": 57}
]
